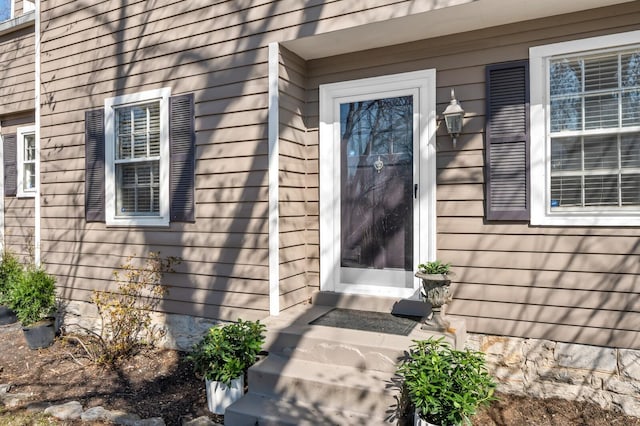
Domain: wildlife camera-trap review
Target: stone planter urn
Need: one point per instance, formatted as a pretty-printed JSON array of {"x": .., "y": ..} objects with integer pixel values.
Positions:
[{"x": 436, "y": 289}]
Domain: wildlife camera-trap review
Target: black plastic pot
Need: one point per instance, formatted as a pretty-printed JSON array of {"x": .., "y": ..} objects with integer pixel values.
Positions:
[
  {"x": 7, "y": 316},
  {"x": 41, "y": 334}
]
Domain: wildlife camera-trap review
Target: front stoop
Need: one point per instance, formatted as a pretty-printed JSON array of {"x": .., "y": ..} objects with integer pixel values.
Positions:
[{"x": 324, "y": 375}]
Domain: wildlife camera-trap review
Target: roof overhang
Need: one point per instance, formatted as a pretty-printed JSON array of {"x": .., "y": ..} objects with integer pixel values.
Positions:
[{"x": 423, "y": 19}]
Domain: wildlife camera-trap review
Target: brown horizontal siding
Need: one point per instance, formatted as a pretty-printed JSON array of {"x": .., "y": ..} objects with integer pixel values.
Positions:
[
  {"x": 220, "y": 54},
  {"x": 91, "y": 54},
  {"x": 240, "y": 225},
  {"x": 17, "y": 80},
  {"x": 293, "y": 168},
  {"x": 218, "y": 277},
  {"x": 607, "y": 336},
  {"x": 19, "y": 226},
  {"x": 570, "y": 284},
  {"x": 19, "y": 215}
]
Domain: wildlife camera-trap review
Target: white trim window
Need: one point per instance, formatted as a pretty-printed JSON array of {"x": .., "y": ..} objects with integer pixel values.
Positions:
[
  {"x": 585, "y": 128},
  {"x": 137, "y": 159},
  {"x": 7, "y": 10},
  {"x": 26, "y": 151}
]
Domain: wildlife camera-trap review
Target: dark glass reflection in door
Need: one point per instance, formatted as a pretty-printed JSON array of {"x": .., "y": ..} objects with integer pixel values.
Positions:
[{"x": 377, "y": 183}]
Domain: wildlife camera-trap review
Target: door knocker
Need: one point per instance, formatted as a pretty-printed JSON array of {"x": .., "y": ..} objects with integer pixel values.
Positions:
[{"x": 378, "y": 164}]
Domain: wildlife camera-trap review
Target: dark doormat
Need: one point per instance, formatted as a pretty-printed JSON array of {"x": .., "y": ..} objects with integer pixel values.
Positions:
[{"x": 378, "y": 322}]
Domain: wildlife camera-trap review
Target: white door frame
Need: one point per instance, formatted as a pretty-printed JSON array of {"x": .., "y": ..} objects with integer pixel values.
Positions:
[{"x": 423, "y": 84}]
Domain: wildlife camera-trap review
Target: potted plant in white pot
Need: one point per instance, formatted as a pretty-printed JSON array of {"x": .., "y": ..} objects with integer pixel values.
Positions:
[
  {"x": 436, "y": 289},
  {"x": 33, "y": 299},
  {"x": 10, "y": 271},
  {"x": 222, "y": 358},
  {"x": 446, "y": 386}
]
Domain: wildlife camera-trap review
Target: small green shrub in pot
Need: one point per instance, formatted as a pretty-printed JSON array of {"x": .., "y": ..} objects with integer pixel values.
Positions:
[
  {"x": 10, "y": 271},
  {"x": 435, "y": 267},
  {"x": 32, "y": 296},
  {"x": 226, "y": 352},
  {"x": 446, "y": 385}
]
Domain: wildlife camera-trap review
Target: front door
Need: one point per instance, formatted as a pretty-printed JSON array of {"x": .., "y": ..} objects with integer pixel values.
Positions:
[{"x": 374, "y": 161}]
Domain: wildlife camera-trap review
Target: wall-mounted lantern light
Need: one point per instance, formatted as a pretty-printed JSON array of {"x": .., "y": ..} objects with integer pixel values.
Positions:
[{"x": 453, "y": 116}]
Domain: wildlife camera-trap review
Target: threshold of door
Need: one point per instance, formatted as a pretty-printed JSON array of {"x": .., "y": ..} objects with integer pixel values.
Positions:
[{"x": 393, "y": 305}]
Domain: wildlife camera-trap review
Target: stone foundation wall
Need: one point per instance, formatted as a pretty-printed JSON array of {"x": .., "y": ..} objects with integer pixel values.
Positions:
[
  {"x": 181, "y": 332},
  {"x": 609, "y": 377}
]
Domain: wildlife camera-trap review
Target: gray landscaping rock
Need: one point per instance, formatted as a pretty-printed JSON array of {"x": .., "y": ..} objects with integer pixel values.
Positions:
[
  {"x": 69, "y": 411},
  {"x": 200, "y": 421},
  {"x": 154, "y": 421},
  {"x": 95, "y": 414},
  {"x": 4, "y": 388},
  {"x": 14, "y": 400},
  {"x": 37, "y": 407},
  {"x": 123, "y": 418}
]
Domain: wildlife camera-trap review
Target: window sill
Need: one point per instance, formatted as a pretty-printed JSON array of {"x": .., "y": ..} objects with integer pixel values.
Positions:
[
  {"x": 26, "y": 195},
  {"x": 17, "y": 23},
  {"x": 579, "y": 219},
  {"x": 155, "y": 222}
]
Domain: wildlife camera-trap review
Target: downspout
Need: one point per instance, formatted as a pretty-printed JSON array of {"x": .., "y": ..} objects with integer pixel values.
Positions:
[
  {"x": 274, "y": 174},
  {"x": 37, "y": 228}
]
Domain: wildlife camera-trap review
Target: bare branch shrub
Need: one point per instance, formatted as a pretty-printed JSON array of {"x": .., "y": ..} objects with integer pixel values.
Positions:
[{"x": 125, "y": 314}]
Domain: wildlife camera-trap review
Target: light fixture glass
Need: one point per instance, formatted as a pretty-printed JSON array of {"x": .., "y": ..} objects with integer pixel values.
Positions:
[{"x": 453, "y": 116}]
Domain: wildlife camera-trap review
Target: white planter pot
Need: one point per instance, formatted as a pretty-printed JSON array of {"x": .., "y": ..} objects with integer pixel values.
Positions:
[
  {"x": 417, "y": 420},
  {"x": 220, "y": 396}
]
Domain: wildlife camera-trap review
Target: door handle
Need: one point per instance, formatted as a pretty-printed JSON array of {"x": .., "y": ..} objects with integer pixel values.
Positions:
[{"x": 415, "y": 190}]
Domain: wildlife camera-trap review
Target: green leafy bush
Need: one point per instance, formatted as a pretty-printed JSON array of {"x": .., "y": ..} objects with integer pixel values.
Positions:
[
  {"x": 435, "y": 267},
  {"x": 226, "y": 352},
  {"x": 446, "y": 385},
  {"x": 33, "y": 296},
  {"x": 10, "y": 271}
]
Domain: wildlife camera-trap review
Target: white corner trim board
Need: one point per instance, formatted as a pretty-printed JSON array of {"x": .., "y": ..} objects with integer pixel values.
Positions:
[{"x": 274, "y": 171}]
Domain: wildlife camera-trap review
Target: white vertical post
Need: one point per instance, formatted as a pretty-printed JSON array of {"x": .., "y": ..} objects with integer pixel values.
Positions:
[
  {"x": 37, "y": 228},
  {"x": 274, "y": 172}
]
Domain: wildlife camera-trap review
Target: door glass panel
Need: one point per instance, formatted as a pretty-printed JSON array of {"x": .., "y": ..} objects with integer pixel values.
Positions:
[{"x": 376, "y": 174}]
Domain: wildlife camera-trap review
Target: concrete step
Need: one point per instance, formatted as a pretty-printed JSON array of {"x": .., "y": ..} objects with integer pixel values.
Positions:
[
  {"x": 296, "y": 338},
  {"x": 317, "y": 375},
  {"x": 339, "y": 387},
  {"x": 254, "y": 409}
]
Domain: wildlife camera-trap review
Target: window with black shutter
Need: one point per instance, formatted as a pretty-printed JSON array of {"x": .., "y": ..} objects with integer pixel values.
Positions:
[{"x": 140, "y": 160}]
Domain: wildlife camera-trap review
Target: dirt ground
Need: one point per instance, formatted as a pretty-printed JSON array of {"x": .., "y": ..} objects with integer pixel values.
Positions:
[{"x": 162, "y": 383}]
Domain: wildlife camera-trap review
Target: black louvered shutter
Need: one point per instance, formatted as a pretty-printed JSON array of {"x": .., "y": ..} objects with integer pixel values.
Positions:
[
  {"x": 183, "y": 153},
  {"x": 10, "y": 165},
  {"x": 95, "y": 164},
  {"x": 507, "y": 142}
]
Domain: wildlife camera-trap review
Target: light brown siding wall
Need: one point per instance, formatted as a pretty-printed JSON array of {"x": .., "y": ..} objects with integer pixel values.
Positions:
[
  {"x": 567, "y": 284},
  {"x": 224, "y": 273},
  {"x": 294, "y": 168},
  {"x": 514, "y": 279},
  {"x": 18, "y": 212},
  {"x": 95, "y": 50},
  {"x": 17, "y": 71}
]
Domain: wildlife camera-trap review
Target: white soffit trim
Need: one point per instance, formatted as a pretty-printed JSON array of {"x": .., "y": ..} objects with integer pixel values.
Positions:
[
  {"x": 421, "y": 20},
  {"x": 274, "y": 166}
]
